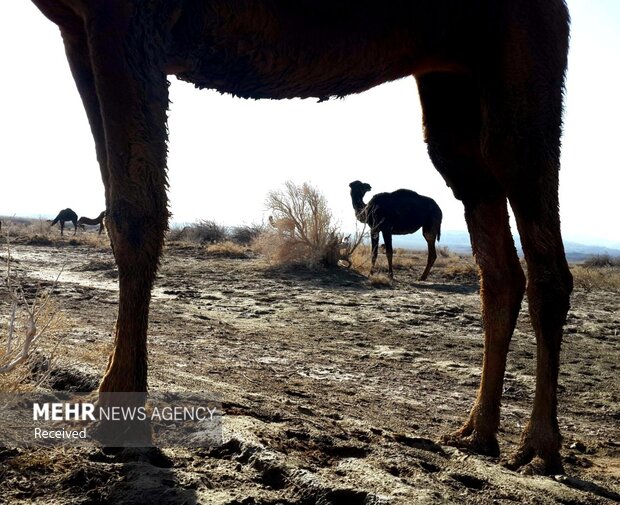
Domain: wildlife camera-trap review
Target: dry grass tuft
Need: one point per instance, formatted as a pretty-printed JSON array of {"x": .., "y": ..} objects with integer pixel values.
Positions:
[
  {"x": 463, "y": 269},
  {"x": 601, "y": 261},
  {"x": 228, "y": 249},
  {"x": 596, "y": 278},
  {"x": 380, "y": 281}
]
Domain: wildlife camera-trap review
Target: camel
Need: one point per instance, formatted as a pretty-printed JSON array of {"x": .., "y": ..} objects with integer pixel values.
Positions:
[
  {"x": 99, "y": 220},
  {"x": 64, "y": 216},
  {"x": 490, "y": 79},
  {"x": 399, "y": 213}
]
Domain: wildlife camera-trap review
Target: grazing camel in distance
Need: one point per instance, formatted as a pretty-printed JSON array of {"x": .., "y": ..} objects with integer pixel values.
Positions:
[
  {"x": 64, "y": 216},
  {"x": 490, "y": 79},
  {"x": 399, "y": 213},
  {"x": 99, "y": 220}
]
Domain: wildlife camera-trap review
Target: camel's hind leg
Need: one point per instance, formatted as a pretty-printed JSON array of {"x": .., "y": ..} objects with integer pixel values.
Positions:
[
  {"x": 389, "y": 252},
  {"x": 522, "y": 140},
  {"x": 452, "y": 129},
  {"x": 430, "y": 238}
]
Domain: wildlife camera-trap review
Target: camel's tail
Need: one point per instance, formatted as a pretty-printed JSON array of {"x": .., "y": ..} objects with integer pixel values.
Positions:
[{"x": 438, "y": 219}]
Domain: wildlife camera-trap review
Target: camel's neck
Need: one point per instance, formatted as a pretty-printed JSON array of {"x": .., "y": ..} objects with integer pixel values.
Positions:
[{"x": 360, "y": 207}]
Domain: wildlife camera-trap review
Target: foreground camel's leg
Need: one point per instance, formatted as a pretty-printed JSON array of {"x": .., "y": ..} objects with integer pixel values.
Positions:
[
  {"x": 527, "y": 158},
  {"x": 452, "y": 121},
  {"x": 549, "y": 288},
  {"x": 76, "y": 49},
  {"x": 430, "y": 238},
  {"x": 502, "y": 285},
  {"x": 131, "y": 90}
]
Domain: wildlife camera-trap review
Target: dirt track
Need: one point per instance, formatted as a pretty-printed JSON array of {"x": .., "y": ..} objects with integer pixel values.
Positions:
[{"x": 334, "y": 391}]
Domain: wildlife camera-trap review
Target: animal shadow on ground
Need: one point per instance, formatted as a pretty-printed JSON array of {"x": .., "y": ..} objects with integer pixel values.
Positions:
[{"x": 335, "y": 278}]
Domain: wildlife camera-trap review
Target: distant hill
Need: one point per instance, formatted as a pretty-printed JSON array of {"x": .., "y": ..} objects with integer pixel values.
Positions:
[{"x": 458, "y": 241}]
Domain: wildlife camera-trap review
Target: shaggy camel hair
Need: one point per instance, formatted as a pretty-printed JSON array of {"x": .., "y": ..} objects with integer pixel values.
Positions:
[
  {"x": 99, "y": 220},
  {"x": 64, "y": 216},
  {"x": 490, "y": 77},
  {"x": 399, "y": 213}
]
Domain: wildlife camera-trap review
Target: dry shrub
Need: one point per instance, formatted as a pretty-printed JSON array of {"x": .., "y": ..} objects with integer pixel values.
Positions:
[
  {"x": 227, "y": 249},
  {"x": 460, "y": 268},
  {"x": 246, "y": 234},
  {"x": 30, "y": 331},
  {"x": 597, "y": 278},
  {"x": 380, "y": 281},
  {"x": 302, "y": 228},
  {"x": 601, "y": 261},
  {"x": 204, "y": 231}
]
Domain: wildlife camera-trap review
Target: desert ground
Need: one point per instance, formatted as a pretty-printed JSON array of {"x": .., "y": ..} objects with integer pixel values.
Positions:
[{"x": 335, "y": 388}]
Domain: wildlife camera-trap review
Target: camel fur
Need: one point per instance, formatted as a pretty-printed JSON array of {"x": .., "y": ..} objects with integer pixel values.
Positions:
[{"x": 490, "y": 78}]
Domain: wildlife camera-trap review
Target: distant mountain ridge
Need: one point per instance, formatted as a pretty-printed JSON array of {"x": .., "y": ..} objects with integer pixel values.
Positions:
[{"x": 458, "y": 241}]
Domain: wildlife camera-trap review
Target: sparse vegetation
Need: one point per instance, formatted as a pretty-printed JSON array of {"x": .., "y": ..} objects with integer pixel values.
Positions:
[
  {"x": 246, "y": 234},
  {"x": 601, "y": 261},
  {"x": 204, "y": 231},
  {"x": 591, "y": 278},
  {"x": 32, "y": 316},
  {"x": 228, "y": 249},
  {"x": 302, "y": 228}
]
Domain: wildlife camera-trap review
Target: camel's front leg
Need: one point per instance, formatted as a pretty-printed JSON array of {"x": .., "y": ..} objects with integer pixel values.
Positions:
[
  {"x": 502, "y": 287},
  {"x": 452, "y": 120},
  {"x": 374, "y": 246},
  {"x": 131, "y": 89}
]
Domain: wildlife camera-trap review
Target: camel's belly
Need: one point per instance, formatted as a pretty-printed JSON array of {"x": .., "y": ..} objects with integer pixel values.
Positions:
[{"x": 300, "y": 54}]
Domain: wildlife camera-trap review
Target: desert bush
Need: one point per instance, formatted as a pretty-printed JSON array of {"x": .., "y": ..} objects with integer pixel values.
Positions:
[
  {"x": 601, "y": 261},
  {"x": 227, "y": 249},
  {"x": 462, "y": 269},
  {"x": 204, "y": 231},
  {"x": 380, "y": 280},
  {"x": 246, "y": 234},
  {"x": 597, "y": 278},
  {"x": 31, "y": 318},
  {"x": 302, "y": 228}
]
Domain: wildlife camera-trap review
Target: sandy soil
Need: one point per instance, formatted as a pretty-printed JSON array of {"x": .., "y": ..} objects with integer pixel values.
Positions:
[{"x": 334, "y": 391}]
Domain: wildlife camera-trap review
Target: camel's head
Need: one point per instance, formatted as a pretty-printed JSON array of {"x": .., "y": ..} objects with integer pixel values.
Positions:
[{"x": 359, "y": 188}]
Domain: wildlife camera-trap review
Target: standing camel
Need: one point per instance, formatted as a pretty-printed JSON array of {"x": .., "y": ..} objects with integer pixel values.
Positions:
[
  {"x": 64, "y": 216},
  {"x": 99, "y": 220},
  {"x": 490, "y": 78},
  {"x": 399, "y": 213}
]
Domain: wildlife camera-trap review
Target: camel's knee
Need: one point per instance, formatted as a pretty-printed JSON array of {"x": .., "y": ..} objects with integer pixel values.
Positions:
[
  {"x": 549, "y": 291},
  {"x": 137, "y": 237}
]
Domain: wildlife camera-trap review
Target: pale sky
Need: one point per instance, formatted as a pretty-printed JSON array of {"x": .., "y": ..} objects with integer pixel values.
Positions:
[{"x": 226, "y": 153}]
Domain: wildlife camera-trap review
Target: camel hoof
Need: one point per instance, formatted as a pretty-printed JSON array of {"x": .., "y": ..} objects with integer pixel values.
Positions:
[
  {"x": 527, "y": 462},
  {"x": 472, "y": 441}
]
